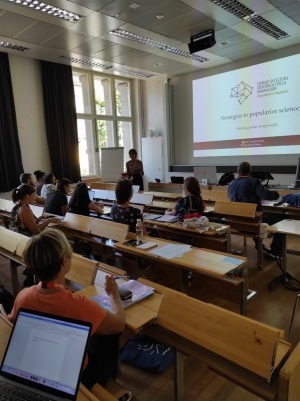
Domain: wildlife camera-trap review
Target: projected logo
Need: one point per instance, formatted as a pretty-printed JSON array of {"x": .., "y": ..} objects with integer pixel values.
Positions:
[{"x": 242, "y": 91}]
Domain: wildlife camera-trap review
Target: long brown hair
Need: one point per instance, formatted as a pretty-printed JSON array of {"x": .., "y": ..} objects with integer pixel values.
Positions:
[{"x": 193, "y": 187}]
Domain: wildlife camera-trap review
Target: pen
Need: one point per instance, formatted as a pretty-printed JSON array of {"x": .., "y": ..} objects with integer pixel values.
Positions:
[{"x": 117, "y": 277}]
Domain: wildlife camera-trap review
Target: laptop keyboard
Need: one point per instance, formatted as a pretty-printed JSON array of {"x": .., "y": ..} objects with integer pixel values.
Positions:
[{"x": 9, "y": 392}]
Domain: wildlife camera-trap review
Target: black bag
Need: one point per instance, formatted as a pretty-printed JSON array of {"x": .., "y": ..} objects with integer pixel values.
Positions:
[
  {"x": 226, "y": 178},
  {"x": 6, "y": 299},
  {"x": 146, "y": 353}
]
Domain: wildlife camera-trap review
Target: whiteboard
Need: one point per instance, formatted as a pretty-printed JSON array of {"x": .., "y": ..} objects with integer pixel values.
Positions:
[{"x": 112, "y": 163}]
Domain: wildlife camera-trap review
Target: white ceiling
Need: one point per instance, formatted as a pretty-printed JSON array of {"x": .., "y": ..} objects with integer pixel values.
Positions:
[{"x": 49, "y": 38}]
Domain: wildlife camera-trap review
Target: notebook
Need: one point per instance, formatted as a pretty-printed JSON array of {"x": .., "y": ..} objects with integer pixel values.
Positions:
[
  {"x": 91, "y": 195},
  {"x": 139, "y": 291},
  {"x": 45, "y": 355}
]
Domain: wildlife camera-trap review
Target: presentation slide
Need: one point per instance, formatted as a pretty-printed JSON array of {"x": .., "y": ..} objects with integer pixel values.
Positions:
[{"x": 251, "y": 111}]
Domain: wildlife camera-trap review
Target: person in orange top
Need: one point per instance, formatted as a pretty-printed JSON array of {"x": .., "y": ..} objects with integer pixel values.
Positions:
[{"x": 48, "y": 256}]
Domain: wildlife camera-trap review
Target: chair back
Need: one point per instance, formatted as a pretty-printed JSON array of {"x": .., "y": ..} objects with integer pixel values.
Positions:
[{"x": 236, "y": 209}]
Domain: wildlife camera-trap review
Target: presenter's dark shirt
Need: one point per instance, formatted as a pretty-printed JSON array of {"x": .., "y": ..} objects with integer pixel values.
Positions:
[
  {"x": 250, "y": 190},
  {"x": 54, "y": 202}
]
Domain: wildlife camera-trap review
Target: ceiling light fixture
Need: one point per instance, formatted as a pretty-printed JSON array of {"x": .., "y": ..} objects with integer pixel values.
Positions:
[
  {"x": 13, "y": 47},
  {"x": 249, "y": 16},
  {"x": 105, "y": 66},
  {"x": 47, "y": 9},
  {"x": 154, "y": 43}
]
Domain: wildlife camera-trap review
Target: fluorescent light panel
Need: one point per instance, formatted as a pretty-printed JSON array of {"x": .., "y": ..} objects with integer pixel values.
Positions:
[
  {"x": 154, "y": 43},
  {"x": 13, "y": 47},
  {"x": 47, "y": 9},
  {"x": 248, "y": 15},
  {"x": 106, "y": 66}
]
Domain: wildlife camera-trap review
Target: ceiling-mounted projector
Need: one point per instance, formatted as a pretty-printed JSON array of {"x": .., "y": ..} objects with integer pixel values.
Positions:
[{"x": 202, "y": 41}]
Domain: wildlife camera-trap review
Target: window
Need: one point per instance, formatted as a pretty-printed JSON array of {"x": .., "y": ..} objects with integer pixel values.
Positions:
[{"x": 104, "y": 116}]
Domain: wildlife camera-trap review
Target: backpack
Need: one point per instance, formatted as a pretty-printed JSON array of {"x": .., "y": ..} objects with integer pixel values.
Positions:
[
  {"x": 146, "y": 353},
  {"x": 6, "y": 299},
  {"x": 226, "y": 178},
  {"x": 292, "y": 199}
]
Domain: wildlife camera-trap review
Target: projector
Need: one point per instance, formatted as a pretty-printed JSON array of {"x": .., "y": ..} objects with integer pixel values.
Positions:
[{"x": 202, "y": 41}]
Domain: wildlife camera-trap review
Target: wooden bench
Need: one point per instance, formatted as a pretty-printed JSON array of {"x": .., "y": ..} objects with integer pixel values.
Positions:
[
  {"x": 244, "y": 221},
  {"x": 245, "y": 351},
  {"x": 218, "y": 196}
]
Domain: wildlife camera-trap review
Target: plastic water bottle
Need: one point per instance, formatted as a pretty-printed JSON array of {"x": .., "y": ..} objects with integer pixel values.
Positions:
[{"x": 139, "y": 231}]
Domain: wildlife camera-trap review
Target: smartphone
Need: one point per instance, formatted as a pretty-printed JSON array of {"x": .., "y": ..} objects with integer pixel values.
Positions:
[
  {"x": 124, "y": 294},
  {"x": 132, "y": 242}
]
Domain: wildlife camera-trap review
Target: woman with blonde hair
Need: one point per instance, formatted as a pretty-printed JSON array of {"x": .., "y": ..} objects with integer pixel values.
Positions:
[{"x": 48, "y": 257}]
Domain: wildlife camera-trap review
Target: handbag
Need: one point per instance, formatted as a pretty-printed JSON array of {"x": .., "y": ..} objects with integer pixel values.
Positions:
[{"x": 146, "y": 353}]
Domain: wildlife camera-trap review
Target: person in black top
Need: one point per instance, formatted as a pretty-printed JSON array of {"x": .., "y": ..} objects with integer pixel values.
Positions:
[
  {"x": 57, "y": 202},
  {"x": 250, "y": 190},
  {"x": 191, "y": 203},
  {"x": 80, "y": 202}
]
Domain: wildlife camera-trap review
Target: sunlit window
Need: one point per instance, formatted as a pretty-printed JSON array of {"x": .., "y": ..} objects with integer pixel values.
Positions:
[{"x": 104, "y": 116}]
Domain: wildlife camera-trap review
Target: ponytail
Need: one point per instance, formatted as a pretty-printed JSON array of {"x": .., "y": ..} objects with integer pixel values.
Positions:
[{"x": 20, "y": 192}]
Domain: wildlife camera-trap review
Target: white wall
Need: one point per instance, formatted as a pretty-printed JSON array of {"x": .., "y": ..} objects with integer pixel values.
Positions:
[
  {"x": 183, "y": 116},
  {"x": 154, "y": 100},
  {"x": 28, "y": 96}
]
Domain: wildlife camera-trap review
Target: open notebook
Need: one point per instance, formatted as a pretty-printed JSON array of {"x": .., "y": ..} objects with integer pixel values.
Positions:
[{"x": 139, "y": 291}]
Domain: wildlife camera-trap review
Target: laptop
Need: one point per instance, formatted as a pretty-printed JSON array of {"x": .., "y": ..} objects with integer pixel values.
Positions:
[
  {"x": 91, "y": 195},
  {"x": 44, "y": 356},
  {"x": 208, "y": 174},
  {"x": 177, "y": 180}
]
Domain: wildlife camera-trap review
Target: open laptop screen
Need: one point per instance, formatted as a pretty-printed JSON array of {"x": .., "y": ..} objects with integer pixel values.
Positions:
[
  {"x": 91, "y": 195},
  {"x": 46, "y": 352}
]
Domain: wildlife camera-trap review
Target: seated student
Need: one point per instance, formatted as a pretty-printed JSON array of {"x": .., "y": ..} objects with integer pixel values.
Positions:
[
  {"x": 122, "y": 212},
  {"x": 26, "y": 178},
  {"x": 57, "y": 202},
  {"x": 49, "y": 184},
  {"x": 39, "y": 175},
  {"x": 48, "y": 256},
  {"x": 250, "y": 190},
  {"x": 22, "y": 219},
  {"x": 80, "y": 202},
  {"x": 192, "y": 202}
]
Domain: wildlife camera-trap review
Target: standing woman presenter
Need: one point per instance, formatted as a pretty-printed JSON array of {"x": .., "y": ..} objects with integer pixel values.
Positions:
[{"x": 135, "y": 169}]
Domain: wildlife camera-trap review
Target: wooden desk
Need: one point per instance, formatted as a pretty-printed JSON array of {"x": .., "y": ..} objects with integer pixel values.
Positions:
[
  {"x": 159, "y": 206},
  {"x": 218, "y": 240},
  {"x": 138, "y": 314},
  {"x": 209, "y": 265},
  {"x": 163, "y": 195},
  {"x": 286, "y": 227}
]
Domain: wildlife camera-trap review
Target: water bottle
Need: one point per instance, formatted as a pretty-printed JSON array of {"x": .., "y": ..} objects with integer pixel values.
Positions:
[{"x": 139, "y": 231}]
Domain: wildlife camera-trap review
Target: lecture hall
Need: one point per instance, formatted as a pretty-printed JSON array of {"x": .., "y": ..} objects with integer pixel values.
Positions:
[{"x": 196, "y": 88}]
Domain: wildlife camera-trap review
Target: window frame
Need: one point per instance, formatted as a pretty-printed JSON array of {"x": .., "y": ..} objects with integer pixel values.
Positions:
[{"x": 97, "y": 117}]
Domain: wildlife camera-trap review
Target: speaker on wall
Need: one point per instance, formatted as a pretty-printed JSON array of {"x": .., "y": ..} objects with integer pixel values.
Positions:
[{"x": 202, "y": 41}]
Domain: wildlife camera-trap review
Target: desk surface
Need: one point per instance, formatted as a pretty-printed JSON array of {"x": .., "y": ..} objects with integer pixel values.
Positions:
[
  {"x": 197, "y": 260},
  {"x": 138, "y": 314},
  {"x": 164, "y": 195},
  {"x": 183, "y": 230},
  {"x": 289, "y": 227}
]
